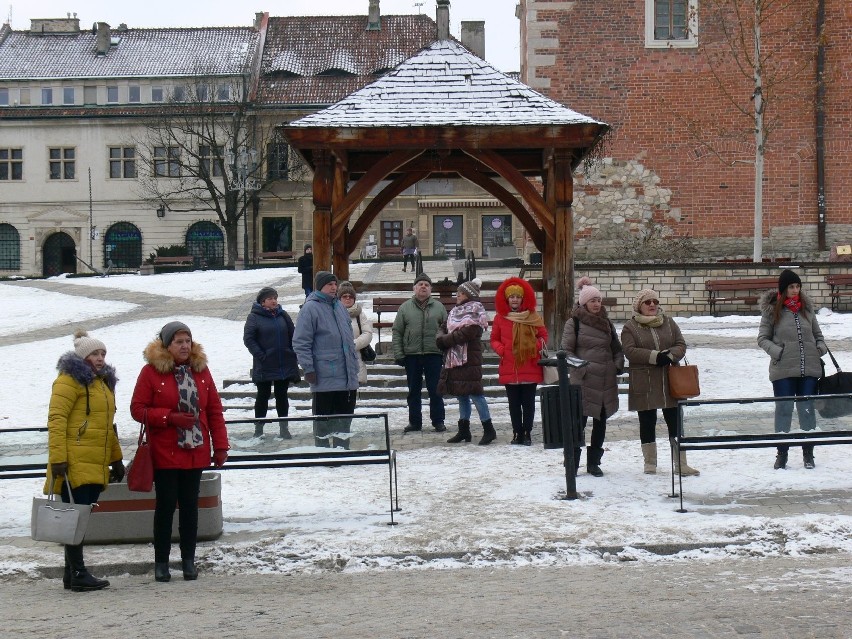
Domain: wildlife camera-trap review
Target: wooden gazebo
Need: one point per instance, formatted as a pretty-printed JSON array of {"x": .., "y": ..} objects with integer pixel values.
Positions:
[{"x": 446, "y": 112}]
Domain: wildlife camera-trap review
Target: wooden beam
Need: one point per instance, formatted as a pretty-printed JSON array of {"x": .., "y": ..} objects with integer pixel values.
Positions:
[
  {"x": 378, "y": 172},
  {"x": 378, "y": 203},
  {"x": 527, "y": 161},
  {"x": 339, "y": 256},
  {"x": 323, "y": 187},
  {"x": 511, "y": 202},
  {"x": 522, "y": 185},
  {"x": 558, "y": 260}
]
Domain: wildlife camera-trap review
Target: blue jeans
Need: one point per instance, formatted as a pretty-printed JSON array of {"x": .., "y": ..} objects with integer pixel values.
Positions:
[
  {"x": 791, "y": 387},
  {"x": 416, "y": 368},
  {"x": 481, "y": 407}
]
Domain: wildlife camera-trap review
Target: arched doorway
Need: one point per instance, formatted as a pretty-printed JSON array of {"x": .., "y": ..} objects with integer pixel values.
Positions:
[
  {"x": 205, "y": 242},
  {"x": 123, "y": 246},
  {"x": 59, "y": 255},
  {"x": 10, "y": 248}
]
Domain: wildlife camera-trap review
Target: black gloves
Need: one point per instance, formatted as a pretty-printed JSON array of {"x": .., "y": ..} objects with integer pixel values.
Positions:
[
  {"x": 59, "y": 470},
  {"x": 116, "y": 472},
  {"x": 664, "y": 358}
]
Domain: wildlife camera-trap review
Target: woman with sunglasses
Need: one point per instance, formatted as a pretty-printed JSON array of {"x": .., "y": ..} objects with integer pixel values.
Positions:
[{"x": 652, "y": 342}]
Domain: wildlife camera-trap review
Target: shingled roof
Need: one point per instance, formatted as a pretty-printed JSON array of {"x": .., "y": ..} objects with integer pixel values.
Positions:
[
  {"x": 318, "y": 60},
  {"x": 444, "y": 85},
  {"x": 138, "y": 53}
]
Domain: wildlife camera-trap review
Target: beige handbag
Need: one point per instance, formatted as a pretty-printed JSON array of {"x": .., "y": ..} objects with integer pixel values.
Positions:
[{"x": 55, "y": 520}]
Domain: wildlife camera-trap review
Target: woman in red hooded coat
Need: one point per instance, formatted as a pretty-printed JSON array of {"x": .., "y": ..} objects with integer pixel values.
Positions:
[{"x": 517, "y": 336}]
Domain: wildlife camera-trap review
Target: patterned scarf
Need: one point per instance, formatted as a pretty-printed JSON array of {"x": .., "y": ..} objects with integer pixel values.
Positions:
[
  {"x": 524, "y": 346},
  {"x": 188, "y": 403},
  {"x": 467, "y": 314},
  {"x": 793, "y": 303}
]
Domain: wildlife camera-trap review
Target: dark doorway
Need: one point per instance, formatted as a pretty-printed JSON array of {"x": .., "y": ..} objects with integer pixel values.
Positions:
[
  {"x": 59, "y": 255},
  {"x": 205, "y": 242},
  {"x": 123, "y": 246}
]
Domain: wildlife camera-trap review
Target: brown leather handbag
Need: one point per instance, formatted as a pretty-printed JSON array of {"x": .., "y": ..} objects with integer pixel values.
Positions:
[{"x": 683, "y": 381}]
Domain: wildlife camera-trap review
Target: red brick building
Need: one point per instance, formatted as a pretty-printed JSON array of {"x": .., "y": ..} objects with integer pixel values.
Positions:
[{"x": 680, "y": 158}]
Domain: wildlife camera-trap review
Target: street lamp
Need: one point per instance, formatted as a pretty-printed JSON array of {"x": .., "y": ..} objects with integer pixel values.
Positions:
[{"x": 243, "y": 164}]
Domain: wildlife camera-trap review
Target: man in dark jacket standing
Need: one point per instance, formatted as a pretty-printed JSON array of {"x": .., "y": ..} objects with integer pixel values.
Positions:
[
  {"x": 414, "y": 347},
  {"x": 306, "y": 268},
  {"x": 325, "y": 348}
]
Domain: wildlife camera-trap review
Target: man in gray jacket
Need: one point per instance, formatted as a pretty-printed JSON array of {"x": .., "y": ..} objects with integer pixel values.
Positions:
[
  {"x": 325, "y": 349},
  {"x": 414, "y": 347}
]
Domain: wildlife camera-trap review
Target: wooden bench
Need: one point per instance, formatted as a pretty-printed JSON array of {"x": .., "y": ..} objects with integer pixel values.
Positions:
[
  {"x": 174, "y": 260},
  {"x": 392, "y": 304},
  {"x": 741, "y": 423},
  {"x": 840, "y": 285},
  {"x": 730, "y": 287},
  {"x": 283, "y": 256}
]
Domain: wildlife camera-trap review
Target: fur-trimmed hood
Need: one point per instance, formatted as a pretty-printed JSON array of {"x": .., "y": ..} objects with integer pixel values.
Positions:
[
  {"x": 72, "y": 364},
  {"x": 767, "y": 302},
  {"x": 161, "y": 359},
  {"x": 355, "y": 310},
  {"x": 501, "y": 304}
]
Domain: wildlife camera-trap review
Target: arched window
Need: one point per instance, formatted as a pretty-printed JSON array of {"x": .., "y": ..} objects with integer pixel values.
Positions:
[
  {"x": 10, "y": 248},
  {"x": 205, "y": 242},
  {"x": 123, "y": 246}
]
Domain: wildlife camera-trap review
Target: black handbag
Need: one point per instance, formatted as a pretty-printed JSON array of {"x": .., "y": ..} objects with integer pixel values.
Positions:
[
  {"x": 368, "y": 353},
  {"x": 839, "y": 383}
]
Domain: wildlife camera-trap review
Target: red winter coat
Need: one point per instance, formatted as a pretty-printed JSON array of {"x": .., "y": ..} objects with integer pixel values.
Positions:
[
  {"x": 156, "y": 395},
  {"x": 509, "y": 371}
]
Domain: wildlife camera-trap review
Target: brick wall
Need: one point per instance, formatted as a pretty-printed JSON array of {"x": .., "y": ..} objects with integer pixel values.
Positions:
[{"x": 592, "y": 57}]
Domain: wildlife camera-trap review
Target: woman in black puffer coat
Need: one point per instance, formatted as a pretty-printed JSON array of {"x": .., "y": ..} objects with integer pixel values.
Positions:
[{"x": 268, "y": 335}]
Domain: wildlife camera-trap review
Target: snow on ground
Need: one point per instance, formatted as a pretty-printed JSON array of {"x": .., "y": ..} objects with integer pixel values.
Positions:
[{"x": 465, "y": 505}]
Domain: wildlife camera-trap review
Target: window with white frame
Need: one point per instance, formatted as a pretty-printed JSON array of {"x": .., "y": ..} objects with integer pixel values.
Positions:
[
  {"x": 277, "y": 160},
  {"x": 179, "y": 93},
  {"x": 134, "y": 93},
  {"x": 210, "y": 158},
  {"x": 156, "y": 94},
  {"x": 68, "y": 95},
  {"x": 4, "y": 97},
  {"x": 122, "y": 162},
  {"x": 166, "y": 161},
  {"x": 11, "y": 164},
  {"x": 46, "y": 95},
  {"x": 112, "y": 94},
  {"x": 671, "y": 24},
  {"x": 62, "y": 163},
  {"x": 223, "y": 92}
]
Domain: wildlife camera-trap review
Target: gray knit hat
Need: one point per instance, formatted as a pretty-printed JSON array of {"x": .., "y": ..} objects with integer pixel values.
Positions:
[
  {"x": 85, "y": 345},
  {"x": 346, "y": 288},
  {"x": 422, "y": 277},
  {"x": 322, "y": 278},
  {"x": 471, "y": 288},
  {"x": 168, "y": 332}
]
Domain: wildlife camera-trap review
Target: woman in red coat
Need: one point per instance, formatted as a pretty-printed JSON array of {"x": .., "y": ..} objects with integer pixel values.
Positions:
[
  {"x": 517, "y": 336},
  {"x": 176, "y": 398}
]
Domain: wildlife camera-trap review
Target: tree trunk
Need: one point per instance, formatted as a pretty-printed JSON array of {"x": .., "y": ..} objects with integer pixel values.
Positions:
[
  {"x": 759, "y": 142},
  {"x": 232, "y": 241}
]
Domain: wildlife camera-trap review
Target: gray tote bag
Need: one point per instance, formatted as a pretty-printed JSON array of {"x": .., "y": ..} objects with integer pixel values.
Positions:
[{"x": 55, "y": 520}]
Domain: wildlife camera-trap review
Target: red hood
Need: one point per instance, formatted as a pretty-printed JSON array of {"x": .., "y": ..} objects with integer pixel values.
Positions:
[{"x": 502, "y": 305}]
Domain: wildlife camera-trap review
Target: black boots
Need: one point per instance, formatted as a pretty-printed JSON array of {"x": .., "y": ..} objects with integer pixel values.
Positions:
[
  {"x": 258, "y": 430},
  {"x": 488, "y": 433},
  {"x": 190, "y": 572},
  {"x": 412, "y": 428},
  {"x": 527, "y": 438},
  {"x": 464, "y": 433},
  {"x": 781, "y": 459},
  {"x": 808, "y": 457},
  {"x": 284, "y": 431},
  {"x": 439, "y": 427},
  {"x": 517, "y": 438},
  {"x": 593, "y": 461},
  {"x": 80, "y": 579},
  {"x": 161, "y": 571}
]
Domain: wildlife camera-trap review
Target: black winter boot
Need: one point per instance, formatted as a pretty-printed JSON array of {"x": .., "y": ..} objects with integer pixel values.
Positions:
[
  {"x": 258, "y": 430},
  {"x": 284, "y": 431},
  {"x": 81, "y": 580},
  {"x": 161, "y": 571},
  {"x": 190, "y": 572},
  {"x": 488, "y": 433},
  {"x": 781, "y": 458},
  {"x": 527, "y": 438},
  {"x": 464, "y": 433},
  {"x": 808, "y": 457},
  {"x": 593, "y": 461},
  {"x": 517, "y": 438}
]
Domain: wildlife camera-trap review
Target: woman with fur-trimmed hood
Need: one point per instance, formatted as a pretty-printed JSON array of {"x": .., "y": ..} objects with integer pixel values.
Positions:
[
  {"x": 791, "y": 336},
  {"x": 517, "y": 336},
  {"x": 81, "y": 440},
  {"x": 176, "y": 399}
]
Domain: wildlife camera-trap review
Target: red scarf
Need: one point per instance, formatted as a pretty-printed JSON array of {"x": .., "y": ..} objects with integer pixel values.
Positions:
[{"x": 793, "y": 303}]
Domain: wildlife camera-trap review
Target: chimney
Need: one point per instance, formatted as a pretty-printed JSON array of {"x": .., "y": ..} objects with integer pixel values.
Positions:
[
  {"x": 473, "y": 37},
  {"x": 374, "y": 20},
  {"x": 102, "y": 47},
  {"x": 442, "y": 17}
]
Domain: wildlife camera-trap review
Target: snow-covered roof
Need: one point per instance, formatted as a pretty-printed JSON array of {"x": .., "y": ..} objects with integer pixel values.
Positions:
[
  {"x": 444, "y": 85},
  {"x": 135, "y": 53}
]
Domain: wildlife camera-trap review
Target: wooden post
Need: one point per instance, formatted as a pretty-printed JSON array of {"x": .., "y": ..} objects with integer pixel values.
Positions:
[
  {"x": 339, "y": 256},
  {"x": 322, "y": 210},
  {"x": 558, "y": 257}
]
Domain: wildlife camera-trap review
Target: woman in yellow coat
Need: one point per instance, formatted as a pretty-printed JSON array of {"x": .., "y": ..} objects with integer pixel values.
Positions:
[{"x": 82, "y": 441}]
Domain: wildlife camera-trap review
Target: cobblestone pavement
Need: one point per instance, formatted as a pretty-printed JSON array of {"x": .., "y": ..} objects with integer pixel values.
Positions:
[{"x": 779, "y": 597}]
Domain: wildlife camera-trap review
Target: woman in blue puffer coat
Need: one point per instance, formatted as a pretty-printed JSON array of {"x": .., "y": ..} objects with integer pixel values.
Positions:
[{"x": 268, "y": 335}]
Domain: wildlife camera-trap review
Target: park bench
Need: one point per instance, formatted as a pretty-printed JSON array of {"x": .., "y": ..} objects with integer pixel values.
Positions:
[
  {"x": 749, "y": 423},
  {"x": 841, "y": 284},
  {"x": 392, "y": 304},
  {"x": 280, "y": 256},
  {"x": 731, "y": 291},
  {"x": 175, "y": 260}
]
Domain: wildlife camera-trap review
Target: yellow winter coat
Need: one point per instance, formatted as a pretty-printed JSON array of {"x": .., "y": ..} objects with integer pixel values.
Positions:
[{"x": 87, "y": 442}]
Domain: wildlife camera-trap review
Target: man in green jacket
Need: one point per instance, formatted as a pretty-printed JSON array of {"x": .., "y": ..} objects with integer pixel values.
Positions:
[{"x": 414, "y": 347}]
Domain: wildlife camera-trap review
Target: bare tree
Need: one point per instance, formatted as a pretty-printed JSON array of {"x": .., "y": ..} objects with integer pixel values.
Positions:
[
  {"x": 759, "y": 53},
  {"x": 207, "y": 150}
]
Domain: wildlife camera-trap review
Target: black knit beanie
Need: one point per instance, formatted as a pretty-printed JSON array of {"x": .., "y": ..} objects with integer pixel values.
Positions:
[
  {"x": 266, "y": 291},
  {"x": 786, "y": 278}
]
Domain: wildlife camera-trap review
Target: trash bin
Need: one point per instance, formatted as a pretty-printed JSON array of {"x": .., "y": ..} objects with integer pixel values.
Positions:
[{"x": 551, "y": 419}]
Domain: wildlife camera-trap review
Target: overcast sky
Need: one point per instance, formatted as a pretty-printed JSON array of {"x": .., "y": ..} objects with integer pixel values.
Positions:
[{"x": 502, "y": 28}]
